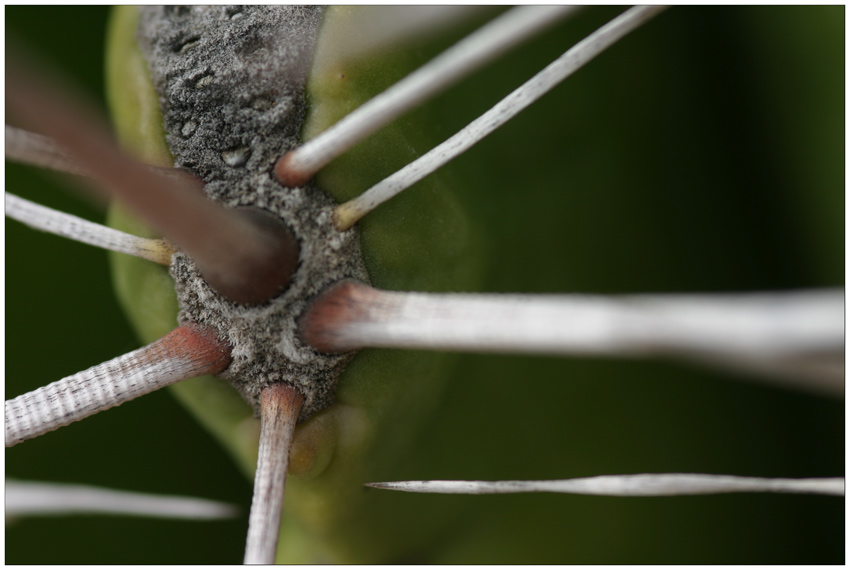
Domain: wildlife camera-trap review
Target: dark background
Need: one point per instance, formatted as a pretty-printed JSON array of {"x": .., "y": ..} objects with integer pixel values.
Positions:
[{"x": 704, "y": 155}]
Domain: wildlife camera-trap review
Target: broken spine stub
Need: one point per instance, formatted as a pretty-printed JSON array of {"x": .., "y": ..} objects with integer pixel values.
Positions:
[{"x": 232, "y": 90}]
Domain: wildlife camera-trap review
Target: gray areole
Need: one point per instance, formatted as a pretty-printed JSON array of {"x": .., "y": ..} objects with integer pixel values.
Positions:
[{"x": 231, "y": 82}]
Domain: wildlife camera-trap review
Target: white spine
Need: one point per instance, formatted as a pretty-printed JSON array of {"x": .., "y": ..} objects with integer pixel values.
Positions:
[
  {"x": 48, "y": 220},
  {"x": 280, "y": 406},
  {"x": 26, "y": 498},
  {"x": 751, "y": 331},
  {"x": 502, "y": 112},
  {"x": 99, "y": 388},
  {"x": 745, "y": 324},
  {"x": 477, "y": 49},
  {"x": 644, "y": 485}
]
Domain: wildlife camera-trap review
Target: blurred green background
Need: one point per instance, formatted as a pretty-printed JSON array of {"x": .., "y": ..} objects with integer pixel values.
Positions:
[{"x": 702, "y": 153}]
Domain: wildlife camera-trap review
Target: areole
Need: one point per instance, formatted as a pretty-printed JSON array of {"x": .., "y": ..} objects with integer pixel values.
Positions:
[{"x": 233, "y": 100}]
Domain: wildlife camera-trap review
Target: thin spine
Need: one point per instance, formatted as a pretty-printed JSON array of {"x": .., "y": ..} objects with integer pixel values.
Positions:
[
  {"x": 643, "y": 485},
  {"x": 474, "y": 51},
  {"x": 29, "y": 498},
  {"x": 347, "y": 214},
  {"x": 280, "y": 405},
  {"x": 735, "y": 330},
  {"x": 186, "y": 352},
  {"x": 39, "y": 150},
  {"x": 48, "y": 220}
]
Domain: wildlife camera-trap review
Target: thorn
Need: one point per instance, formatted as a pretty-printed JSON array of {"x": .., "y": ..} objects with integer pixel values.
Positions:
[
  {"x": 792, "y": 337},
  {"x": 29, "y": 498},
  {"x": 186, "y": 352},
  {"x": 65, "y": 225},
  {"x": 280, "y": 405},
  {"x": 363, "y": 121},
  {"x": 641, "y": 485}
]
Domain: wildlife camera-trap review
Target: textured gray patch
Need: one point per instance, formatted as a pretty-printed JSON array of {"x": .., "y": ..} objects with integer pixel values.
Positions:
[{"x": 231, "y": 84}]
